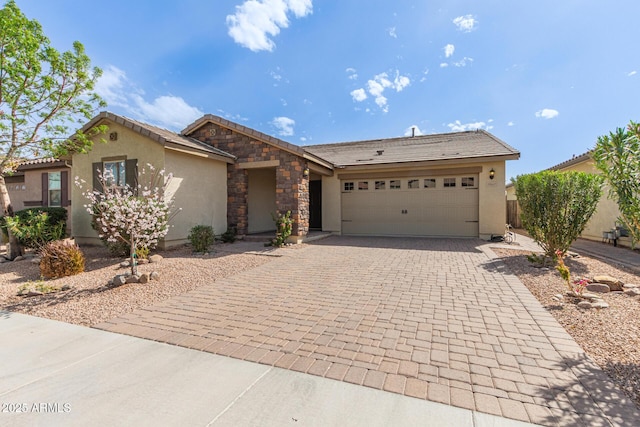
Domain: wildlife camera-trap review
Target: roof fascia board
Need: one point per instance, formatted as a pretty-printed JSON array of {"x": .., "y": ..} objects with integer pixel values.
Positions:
[{"x": 408, "y": 165}]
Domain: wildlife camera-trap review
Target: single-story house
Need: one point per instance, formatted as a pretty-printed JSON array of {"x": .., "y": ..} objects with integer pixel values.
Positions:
[
  {"x": 604, "y": 219},
  {"x": 449, "y": 185},
  {"x": 41, "y": 182}
]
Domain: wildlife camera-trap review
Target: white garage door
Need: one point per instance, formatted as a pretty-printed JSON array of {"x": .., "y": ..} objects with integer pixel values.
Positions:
[{"x": 423, "y": 206}]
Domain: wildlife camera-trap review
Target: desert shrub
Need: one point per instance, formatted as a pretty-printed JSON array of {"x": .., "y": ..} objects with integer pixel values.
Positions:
[
  {"x": 284, "y": 226},
  {"x": 201, "y": 238},
  {"x": 34, "y": 228},
  {"x": 556, "y": 206},
  {"x": 61, "y": 258},
  {"x": 229, "y": 236}
]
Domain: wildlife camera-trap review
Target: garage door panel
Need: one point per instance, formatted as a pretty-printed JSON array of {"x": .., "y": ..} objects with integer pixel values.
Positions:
[{"x": 416, "y": 212}]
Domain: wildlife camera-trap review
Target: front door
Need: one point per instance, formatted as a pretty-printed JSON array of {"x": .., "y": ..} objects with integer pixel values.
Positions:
[{"x": 315, "y": 204}]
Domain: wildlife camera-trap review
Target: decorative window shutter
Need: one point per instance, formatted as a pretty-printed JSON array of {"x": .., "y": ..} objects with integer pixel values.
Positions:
[
  {"x": 95, "y": 167},
  {"x": 45, "y": 189},
  {"x": 64, "y": 188},
  {"x": 131, "y": 174}
]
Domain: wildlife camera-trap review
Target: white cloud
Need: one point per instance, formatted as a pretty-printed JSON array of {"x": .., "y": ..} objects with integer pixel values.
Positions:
[
  {"x": 284, "y": 125},
  {"x": 353, "y": 75},
  {"x": 377, "y": 86},
  {"x": 632, "y": 73},
  {"x": 463, "y": 62},
  {"x": 443, "y": 65},
  {"x": 392, "y": 32},
  {"x": 466, "y": 23},
  {"x": 448, "y": 50},
  {"x": 457, "y": 126},
  {"x": 167, "y": 111},
  {"x": 256, "y": 21},
  {"x": 358, "y": 95},
  {"x": 547, "y": 113},
  {"x": 424, "y": 77},
  {"x": 413, "y": 130},
  {"x": 511, "y": 124}
]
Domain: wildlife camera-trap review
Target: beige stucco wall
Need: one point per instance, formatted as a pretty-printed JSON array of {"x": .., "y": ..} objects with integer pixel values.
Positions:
[
  {"x": 129, "y": 144},
  {"x": 199, "y": 187},
  {"x": 491, "y": 193},
  {"x": 511, "y": 193},
  {"x": 261, "y": 202}
]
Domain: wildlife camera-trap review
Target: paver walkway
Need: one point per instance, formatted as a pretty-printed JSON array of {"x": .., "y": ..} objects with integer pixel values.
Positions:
[{"x": 436, "y": 319}]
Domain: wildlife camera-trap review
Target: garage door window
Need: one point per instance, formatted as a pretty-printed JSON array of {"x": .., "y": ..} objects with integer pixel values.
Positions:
[
  {"x": 449, "y": 182},
  {"x": 414, "y": 183},
  {"x": 468, "y": 181},
  {"x": 380, "y": 185},
  {"x": 394, "y": 184},
  {"x": 348, "y": 186},
  {"x": 430, "y": 183},
  {"x": 363, "y": 185}
]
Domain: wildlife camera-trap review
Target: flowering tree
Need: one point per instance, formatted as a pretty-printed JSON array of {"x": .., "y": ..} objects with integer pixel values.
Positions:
[{"x": 137, "y": 216}]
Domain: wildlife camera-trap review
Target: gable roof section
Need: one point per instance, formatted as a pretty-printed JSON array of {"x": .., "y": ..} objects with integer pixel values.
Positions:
[
  {"x": 573, "y": 161},
  {"x": 252, "y": 133},
  {"x": 448, "y": 146},
  {"x": 165, "y": 137}
]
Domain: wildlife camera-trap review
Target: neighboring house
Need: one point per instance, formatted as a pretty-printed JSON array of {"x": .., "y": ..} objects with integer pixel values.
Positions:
[
  {"x": 449, "y": 185},
  {"x": 605, "y": 218},
  {"x": 41, "y": 182}
]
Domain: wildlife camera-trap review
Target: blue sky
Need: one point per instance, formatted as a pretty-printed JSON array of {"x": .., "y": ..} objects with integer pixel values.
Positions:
[{"x": 547, "y": 77}]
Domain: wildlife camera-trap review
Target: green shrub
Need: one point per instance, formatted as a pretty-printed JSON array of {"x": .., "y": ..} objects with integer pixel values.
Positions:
[
  {"x": 60, "y": 259},
  {"x": 55, "y": 215},
  {"x": 34, "y": 228},
  {"x": 284, "y": 226},
  {"x": 229, "y": 236},
  {"x": 201, "y": 238},
  {"x": 556, "y": 206}
]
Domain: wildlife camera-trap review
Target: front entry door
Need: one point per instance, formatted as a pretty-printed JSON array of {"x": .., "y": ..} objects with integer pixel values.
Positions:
[{"x": 315, "y": 204}]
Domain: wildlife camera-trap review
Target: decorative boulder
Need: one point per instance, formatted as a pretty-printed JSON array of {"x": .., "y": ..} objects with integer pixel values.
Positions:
[
  {"x": 613, "y": 283},
  {"x": 144, "y": 278},
  {"x": 600, "y": 288},
  {"x": 632, "y": 292},
  {"x": 155, "y": 258},
  {"x": 154, "y": 276},
  {"x": 119, "y": 280},
  {"x": 584, "y": 304},
  {"x": 133, "y": 279}
]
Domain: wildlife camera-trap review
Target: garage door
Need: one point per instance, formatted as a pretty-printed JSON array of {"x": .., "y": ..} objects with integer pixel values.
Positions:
[{"x": 421, "y": 206}]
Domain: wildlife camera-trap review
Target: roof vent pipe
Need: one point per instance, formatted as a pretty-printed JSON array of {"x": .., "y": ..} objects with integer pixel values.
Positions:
[
  {"x": 380, "y": 152},
  {"x": 413, "y": 131}
]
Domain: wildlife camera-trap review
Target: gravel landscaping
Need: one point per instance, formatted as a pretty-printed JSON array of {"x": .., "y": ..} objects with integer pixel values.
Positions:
[
  {"x": 90, "y": 300},
  {"x": 611, "y": 336}
]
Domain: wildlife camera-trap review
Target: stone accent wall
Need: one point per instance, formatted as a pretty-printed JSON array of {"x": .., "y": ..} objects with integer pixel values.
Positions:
[{"x": 292, "y": 187}]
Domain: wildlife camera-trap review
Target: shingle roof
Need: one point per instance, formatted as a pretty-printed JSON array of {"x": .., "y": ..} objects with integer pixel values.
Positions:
[
  {"x": 163, "y": 136},
  {"x": 572, "y": 161},
  {"x": 458, "y": 145}
]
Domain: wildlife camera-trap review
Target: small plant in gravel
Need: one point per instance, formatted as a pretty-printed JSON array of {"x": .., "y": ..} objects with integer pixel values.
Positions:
[
  {"x": 60, "y": 259},
  {"x": 229, "y": 236},
  {"x": 37, "y": 286},
  {"x": 201, "y": 238}
]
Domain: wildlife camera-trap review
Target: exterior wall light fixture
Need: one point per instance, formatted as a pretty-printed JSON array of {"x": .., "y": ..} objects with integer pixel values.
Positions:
[
  {"x": 492, "y": 174},
  {"x": 305, "y": 172}
]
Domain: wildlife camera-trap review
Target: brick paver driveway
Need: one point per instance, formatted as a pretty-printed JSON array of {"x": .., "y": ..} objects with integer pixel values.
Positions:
[{"x": 435, "y": 319}]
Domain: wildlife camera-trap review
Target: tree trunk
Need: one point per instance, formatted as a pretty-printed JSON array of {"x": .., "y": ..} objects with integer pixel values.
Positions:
[
  {"x": 14, "y": 248},
  {"x": 132, "y": 258}
]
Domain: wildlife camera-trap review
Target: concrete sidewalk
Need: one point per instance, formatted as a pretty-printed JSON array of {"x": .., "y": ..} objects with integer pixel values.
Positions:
[
  {"x": 616, "y": 254},
  {"x": 67, "y": 375}
]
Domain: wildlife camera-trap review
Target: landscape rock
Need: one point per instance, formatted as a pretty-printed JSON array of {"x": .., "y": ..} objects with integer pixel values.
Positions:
[
  {"x": 599, "y": 304},
  {"x": 19, "y": 258},
  {"x": 119, "y": 280},
  {"x": 630, "y": 286},
  {"x": 32, "y": 293},
  {"x": 632, "y": 292},
  {"x": 614, "y": 284},
  {"x": 65, "y": 287},
  {"x": 144, "y": 278},
  {"x": 600, "y": 288},
  {"x": 125, "y": 264},
  {"x": 154, "y": 275},
  {"x": 155, "y": 258},
  {"x": 584, "y": 304},
  {"x": 143, "y": 261},
  {"x": 132, "y": 279},
  {"x": 558, "y": 297},
  {"x": 35, "y": 260}
]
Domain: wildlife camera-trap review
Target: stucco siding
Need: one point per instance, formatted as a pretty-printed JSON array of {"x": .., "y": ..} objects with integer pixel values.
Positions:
[
  {"x": 200, "y": 190},
  {"x": 261, "y": 200},
  {"x": 129, "y": 144}
]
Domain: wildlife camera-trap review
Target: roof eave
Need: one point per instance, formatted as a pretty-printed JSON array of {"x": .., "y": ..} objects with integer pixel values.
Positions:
[{"x": 420, "y": 163}]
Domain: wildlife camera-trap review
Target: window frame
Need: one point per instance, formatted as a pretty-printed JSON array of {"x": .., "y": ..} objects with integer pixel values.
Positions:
[{"x": 50, "y": 190}]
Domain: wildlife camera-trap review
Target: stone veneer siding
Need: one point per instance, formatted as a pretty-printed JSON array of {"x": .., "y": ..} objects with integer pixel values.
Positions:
[{"x": 292, "y": 187}]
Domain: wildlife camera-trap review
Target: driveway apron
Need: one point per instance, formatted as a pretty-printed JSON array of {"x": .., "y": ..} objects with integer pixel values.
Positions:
[{"x": 435, "y": 319}]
